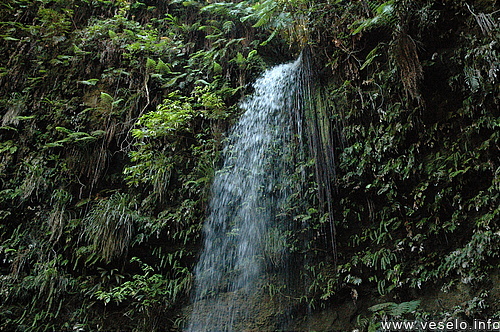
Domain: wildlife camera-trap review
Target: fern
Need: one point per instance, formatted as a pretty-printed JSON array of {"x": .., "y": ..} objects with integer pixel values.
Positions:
[
  {"x": 395, "y": 310},
  {"x": 57, "y": 217},
  {"x": 384, "y": 15},
  {"x": 228, "y": 9},
  {"x": 109, "y": 225}
]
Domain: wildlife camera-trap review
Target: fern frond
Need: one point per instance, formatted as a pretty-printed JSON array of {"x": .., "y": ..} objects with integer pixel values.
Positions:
[
  {"x": 395, "y": 309},
  {"x": 109, "y": 225},
  {"x": 384, "y": 15}
]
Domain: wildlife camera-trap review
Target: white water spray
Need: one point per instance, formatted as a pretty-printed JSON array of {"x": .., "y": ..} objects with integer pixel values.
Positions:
[{"x": 244, "y": 232}]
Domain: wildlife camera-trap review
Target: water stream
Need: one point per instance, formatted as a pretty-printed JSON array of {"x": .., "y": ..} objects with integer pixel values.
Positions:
[{"x": 245, "y": 232}]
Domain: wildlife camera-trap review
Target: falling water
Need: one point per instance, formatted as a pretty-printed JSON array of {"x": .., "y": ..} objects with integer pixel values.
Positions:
[{"x": 245, "y": 230}]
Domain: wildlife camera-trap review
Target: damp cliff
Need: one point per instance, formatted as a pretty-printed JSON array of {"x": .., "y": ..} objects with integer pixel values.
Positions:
[{"x": 163, "y": 161}]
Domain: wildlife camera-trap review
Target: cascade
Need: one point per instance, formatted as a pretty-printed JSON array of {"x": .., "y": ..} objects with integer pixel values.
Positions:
[{"x": 245, "y": 232}]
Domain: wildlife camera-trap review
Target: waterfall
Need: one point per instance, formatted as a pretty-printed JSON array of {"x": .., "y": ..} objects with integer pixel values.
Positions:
[{"x": 245, "y": 232}]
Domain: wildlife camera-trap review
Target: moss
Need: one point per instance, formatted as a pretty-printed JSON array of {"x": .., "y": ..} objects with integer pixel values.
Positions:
[{"x": 409, "y": 112}]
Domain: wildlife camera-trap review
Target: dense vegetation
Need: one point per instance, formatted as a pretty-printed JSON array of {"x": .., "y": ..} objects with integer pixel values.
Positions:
[{"x": 114, "y": 112}]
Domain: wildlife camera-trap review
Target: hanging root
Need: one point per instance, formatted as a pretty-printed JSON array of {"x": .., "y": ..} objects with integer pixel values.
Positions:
[
  {"x": 319, "y": 139},
  {"x": 485, "y": 21},
  {"x": 408, "y": 63}
]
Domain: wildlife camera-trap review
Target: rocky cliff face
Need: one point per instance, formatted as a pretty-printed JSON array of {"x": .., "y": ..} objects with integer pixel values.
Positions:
[{"x": 113, "y": 115}]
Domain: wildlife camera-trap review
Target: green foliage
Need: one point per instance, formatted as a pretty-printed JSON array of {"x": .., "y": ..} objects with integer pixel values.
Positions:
[
  {"x": 54, "y": 24},
  {"x": 73, "y": 137},
  {"x": 383, "y": 16},
  {"x": 109, "y": 225},
  {"x": 213, "y": 105},
  {"x": 393, "y": 309},
  {"x": 417, "y": 193},
  {"x": 79, "y": 189},
  {"x": 148, "y": 290},
  {"x": 150, "y": 167},
  {"x": 171, "y": 116},
  {"x": 113, "y": 114},
  {"x": 275, "y": 247},
  {"x": 386, "y": 312},
  {"x": 469, "y": 261}
]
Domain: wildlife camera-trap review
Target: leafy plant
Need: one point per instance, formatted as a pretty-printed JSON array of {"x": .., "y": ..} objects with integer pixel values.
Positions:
[
  {"x": 109, "y": 225},
  {"x": 383, "y": 15},
  {"x": 387, "y": 311}
]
